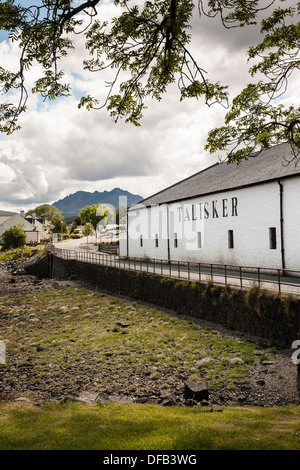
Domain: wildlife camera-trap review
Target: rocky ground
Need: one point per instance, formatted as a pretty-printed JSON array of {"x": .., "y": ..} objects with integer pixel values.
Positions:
[{"x": 263, "y": 388}]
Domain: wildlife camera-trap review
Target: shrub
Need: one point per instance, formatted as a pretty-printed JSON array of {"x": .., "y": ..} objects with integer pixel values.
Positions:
[{"x": 13, "y": 237}]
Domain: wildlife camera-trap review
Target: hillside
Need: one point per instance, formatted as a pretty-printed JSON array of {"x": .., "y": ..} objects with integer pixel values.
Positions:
[{"x": 71, "y": 205}]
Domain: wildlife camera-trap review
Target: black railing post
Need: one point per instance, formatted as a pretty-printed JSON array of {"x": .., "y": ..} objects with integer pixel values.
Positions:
[
  {"x": 225, "y": 273},
  {"x": 279, "y": 283}
]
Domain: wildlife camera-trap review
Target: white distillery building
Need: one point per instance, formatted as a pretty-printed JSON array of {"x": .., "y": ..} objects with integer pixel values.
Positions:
[{"x": 242, "y": 215}]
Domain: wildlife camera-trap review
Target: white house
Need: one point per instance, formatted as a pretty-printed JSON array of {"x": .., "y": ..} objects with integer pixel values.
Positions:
[
  {"x": 243, "y": 215},
  {"x": 33, "y": 228},
  {"x": 38, "y": 231}
]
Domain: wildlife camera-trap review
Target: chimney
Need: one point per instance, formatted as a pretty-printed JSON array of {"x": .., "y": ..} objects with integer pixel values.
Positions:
[{"x": 22, "y": 214}]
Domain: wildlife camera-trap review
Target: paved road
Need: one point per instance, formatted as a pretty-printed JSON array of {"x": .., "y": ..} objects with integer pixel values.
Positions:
[{"x": 78, "y": 244}]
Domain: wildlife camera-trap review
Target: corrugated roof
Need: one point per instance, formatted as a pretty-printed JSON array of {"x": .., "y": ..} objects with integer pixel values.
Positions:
[{"x": 268, "y": 165}]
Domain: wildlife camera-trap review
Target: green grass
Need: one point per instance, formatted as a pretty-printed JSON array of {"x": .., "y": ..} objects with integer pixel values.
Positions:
[
  {"x": 147, "y": 427},
  {"x": 20, "y": 253}
]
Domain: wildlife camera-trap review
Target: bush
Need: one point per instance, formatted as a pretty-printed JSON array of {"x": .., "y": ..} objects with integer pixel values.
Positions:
[{"x": 13, "y": 237}]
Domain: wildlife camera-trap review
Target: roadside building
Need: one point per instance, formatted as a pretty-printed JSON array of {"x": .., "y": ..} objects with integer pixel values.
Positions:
[
  {"x": 242, "y": 215},
  {"x": 33, "y": 228}
]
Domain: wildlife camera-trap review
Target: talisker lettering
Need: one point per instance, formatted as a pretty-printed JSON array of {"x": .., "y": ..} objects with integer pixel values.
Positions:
[{"x": 205, "y": 210}]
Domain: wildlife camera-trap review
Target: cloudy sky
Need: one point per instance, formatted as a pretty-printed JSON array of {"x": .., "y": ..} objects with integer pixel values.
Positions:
[{"x": 62, "y": 149}]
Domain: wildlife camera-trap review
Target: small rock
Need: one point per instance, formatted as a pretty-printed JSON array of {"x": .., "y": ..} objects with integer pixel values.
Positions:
[
  {"x": 204, "y": 403},
  {"x": 190, "y": 402},
  {"x": 196, "y": 390},
  {"x": 168, "y": 402},
  {"x": 261, "y": 382},
  {"x": 241, "y": 398},
  {"x": 88, "y": 397},
  {"x": 26, "y": 400},
  {"x": 236, "y": 360},
  {"x": 101, "y": 397},
  {"x": 203, "y": 361}
]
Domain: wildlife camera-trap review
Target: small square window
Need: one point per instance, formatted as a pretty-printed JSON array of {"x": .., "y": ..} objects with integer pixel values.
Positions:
[{"x": 230, "y": 239}]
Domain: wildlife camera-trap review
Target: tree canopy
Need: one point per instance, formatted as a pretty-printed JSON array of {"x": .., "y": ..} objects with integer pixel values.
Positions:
[
  {"x": 47, "y": 211},
  {"x": 97, "y": 214},
  {"x": 146, "y": 47}
]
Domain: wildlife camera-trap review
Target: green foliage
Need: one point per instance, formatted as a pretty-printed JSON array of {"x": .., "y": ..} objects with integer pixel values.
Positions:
[
  {"x": 46, "y": 211},
  {"x": 97, "y": 214},
  {"x": 87, "y": 229},
  {"x": 76, "y": 223},
  {"x": 21, "y": 253},
  {"x": 264, "y": 302},
  {"x": 168, "y": 281},
  {"x": 255, "y": 120},
  {"x": 13, "y": 237},
  {"x": 146, "y": 48},
  {"x": 59, "y": 225},
  {"x": 229, "y": 294}
]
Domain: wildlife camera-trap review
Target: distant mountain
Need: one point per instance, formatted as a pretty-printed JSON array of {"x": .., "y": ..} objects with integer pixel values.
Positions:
[{"x": 71, "y": 205}]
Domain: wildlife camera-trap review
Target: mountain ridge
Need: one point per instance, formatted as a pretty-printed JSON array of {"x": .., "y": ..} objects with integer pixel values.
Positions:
[{"x": 72, "y": 204}]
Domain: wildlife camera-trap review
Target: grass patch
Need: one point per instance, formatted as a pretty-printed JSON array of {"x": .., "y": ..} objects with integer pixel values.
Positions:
[
  {"x": 146, "y": 427},
  {"x": 264, "y": 302},
  {"x": 56, "y": 330},
  {"x": 21, "y": 253}
]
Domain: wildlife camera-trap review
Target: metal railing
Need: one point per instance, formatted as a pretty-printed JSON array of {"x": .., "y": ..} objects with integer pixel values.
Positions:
[{"x": 242, "y": 277}]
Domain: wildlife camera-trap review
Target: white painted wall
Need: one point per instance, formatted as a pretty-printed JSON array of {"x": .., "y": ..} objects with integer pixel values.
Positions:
[
  {"x": 32, "y": 236},
  {"x": 291, "y": 216},
  {"x": 256, "y": 209},
  {"x": 13, "y": 221}
]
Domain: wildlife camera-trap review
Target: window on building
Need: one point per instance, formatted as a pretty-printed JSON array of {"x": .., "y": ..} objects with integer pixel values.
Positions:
[
  {"x": 175, "y": 240},
  {"x": 230, "y": 239},
  {"x": 141, "y": 240},
  {"x": 156, "y": 240},
  {"x": 272, "y": 238},
  {"x": 199, "y": 239}
]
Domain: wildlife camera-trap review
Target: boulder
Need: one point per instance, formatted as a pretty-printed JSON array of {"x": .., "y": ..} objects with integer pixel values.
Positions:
[{"x": 196, "y": 390}]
